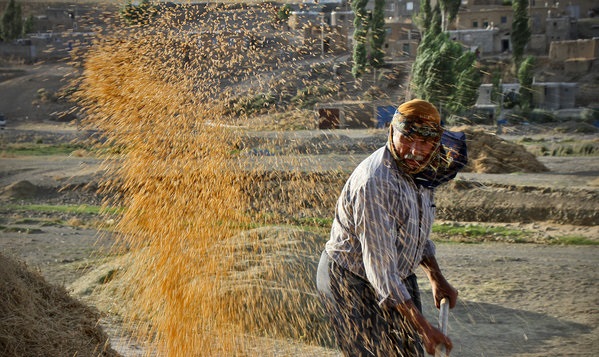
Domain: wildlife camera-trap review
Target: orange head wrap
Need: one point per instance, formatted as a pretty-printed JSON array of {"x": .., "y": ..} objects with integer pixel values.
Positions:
[
  {"x": 421, "y": 118},
  {"x": 418, "y": 110}
]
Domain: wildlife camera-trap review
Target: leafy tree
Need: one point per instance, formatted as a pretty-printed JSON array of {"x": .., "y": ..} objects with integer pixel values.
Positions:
[
  {"x": 284, "y": 13},
  {"x": 138, "y": 14},
  {"x": 377, "y": 38},
  {"x": 520, "y": 30},
  {"x": 360, "y": 37},
  {"x": 467, "y": 84},
  {"x": 424, "y": 17},
  {"x": 525, "y": 78},
  {"x": 28, "y": 24},
  {"x": 424, "y": 70},
  {"x": 496, "y": 89},
  {"x": 449, "y": 11},
  {"x": 360, "y": 58},
  {"x": 443, "y": 73},
  {"x": 11, "y": 26},
  {"x": 432, "y": 30}
]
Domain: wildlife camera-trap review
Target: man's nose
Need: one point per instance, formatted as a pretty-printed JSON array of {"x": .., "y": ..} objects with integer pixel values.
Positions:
[{"x": 417, "y": 147}]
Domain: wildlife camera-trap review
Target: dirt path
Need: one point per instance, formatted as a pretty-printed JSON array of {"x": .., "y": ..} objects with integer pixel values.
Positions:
[{"x": 523, "y": 300}]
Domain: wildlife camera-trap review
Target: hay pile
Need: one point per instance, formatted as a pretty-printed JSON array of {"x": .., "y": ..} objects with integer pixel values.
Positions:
[
  {"x": 492, "y": 155},
  {"x": 39, "y": 319},
  {"x": 20, "y": 190}
]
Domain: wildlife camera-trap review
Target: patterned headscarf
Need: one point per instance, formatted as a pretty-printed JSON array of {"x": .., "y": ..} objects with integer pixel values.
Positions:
[
  {"x": 416, "y": 117},
  {"x": 420, "y": 112}
]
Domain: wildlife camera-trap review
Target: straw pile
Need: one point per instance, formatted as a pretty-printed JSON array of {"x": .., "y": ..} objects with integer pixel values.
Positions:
[
  {"x": 39, "y": 319},
  {"x": 490, "y": 154}
]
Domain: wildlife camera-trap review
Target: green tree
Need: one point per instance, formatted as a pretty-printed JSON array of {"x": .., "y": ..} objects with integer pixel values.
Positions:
[
  {"x": 284, "y": 13},
  {"x": 424, "y": 17},
  {"x": 11, "y": 26},
  {"x": 496, "y": 89},
  {"x": 521, "y": 32},
  {"x": 138, "y": 14},
  {"x": 424, "y": 69},
  {"x": 525, "y": 78},
  {"x": 377, "y": 36},
  {"x": 467, "y": 83},
  {"x": 449, "y": 11},
  {"x": 28, "y": 24},
  {"x": 443, "y": 73},
  {"x": 360, "y": 37}
]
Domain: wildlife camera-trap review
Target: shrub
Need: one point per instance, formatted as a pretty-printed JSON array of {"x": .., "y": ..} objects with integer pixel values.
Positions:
[
  {"x": 590, "y": 115},
  {"x": 252, "y": 104},
  {"x": 541, "y": 116},
  {"x": 308, "y": 96}
]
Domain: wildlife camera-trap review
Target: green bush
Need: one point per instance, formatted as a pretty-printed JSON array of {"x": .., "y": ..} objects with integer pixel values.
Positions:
[
  {"x": 252, "y": 104},
  {"x": 590, "y": 115},
  {"x": 308, "y": 96},
  {"x": 541, "y": 116}
]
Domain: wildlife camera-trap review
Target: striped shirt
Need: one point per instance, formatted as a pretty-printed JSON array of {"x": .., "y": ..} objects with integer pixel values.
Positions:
[{"x": 382, "y": 226}]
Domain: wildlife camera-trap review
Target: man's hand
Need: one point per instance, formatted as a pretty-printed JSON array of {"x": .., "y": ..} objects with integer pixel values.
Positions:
[
  {"x": 431, "y": 336},
  {"x": 441, "y": 288}
]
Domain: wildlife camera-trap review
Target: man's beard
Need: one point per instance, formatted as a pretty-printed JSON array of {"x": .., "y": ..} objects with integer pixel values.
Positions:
[{"x": 422, "y": 161}]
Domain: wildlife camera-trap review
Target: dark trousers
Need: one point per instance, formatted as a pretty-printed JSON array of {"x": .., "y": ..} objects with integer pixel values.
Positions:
[{"x": 361, "y": 326}]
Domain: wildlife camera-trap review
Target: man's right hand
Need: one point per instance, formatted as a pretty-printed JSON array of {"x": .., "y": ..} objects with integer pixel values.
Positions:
[{"x": 431, "y": 336}]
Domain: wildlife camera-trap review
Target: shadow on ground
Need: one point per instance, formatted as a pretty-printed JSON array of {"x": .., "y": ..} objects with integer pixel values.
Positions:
[{"x": 483, "y": 329}]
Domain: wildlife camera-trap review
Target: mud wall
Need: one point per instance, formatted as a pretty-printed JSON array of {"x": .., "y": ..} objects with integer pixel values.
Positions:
[{"x": 560, "y": 51}]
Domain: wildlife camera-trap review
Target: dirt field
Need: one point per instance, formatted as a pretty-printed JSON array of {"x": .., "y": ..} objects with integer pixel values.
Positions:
[{"x": 515, "y": 299}]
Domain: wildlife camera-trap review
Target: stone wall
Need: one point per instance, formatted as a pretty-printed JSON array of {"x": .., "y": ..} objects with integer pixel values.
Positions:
[{"x": 560, "y": 51}]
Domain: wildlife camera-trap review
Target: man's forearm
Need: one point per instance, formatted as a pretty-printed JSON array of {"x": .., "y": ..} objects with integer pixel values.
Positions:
[
  {"x": 441, "y": 288},
  {"x": 409, "y": 311},
  {"x": 431, "y": 337},
  {"x": 431, "y": 268}
]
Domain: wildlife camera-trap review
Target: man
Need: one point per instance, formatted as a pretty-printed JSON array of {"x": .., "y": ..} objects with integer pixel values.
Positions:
[{"x": 380, "y": 234}]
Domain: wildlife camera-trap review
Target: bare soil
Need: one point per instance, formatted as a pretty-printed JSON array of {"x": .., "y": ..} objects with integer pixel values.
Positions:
[{"x": 516, "y": 299}]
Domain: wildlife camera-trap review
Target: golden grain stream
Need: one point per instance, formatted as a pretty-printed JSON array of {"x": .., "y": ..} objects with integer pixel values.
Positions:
[{"x": 157, "y": 93}]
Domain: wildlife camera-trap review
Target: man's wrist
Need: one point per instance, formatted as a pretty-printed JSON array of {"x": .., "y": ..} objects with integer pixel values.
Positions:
[{"x": 411, "y": 312}]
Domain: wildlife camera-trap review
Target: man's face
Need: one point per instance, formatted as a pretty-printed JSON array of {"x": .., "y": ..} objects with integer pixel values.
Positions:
[{"x": 414, "y": 144}]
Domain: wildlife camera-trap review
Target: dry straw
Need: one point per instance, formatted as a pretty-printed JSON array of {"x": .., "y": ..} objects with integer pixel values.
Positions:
[
  {"x": 39, "y": 319},
  {"x": 158, "y": 94}
]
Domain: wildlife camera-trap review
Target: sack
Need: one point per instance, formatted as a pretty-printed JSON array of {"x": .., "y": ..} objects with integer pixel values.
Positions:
[{"x": 452, "y": 157}]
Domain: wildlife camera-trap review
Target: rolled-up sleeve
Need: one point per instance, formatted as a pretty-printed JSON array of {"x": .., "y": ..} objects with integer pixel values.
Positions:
[{"x": 429, "y": 249}]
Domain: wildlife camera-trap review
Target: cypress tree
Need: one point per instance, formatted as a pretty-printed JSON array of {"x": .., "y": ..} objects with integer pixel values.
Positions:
[
  {"x": 360, "y": 37},
  {"x": 525, "y": 78},
  {"x": 377, "y": 36},
  {"x": 449, "y": 11},
  {"x": 12, "y": 23},
  {"x": 467, "y": 82},
  {"x": 520, "y": 30},
  {"x": 424, "y": 17},
  {"x": 443, "y": 73}
]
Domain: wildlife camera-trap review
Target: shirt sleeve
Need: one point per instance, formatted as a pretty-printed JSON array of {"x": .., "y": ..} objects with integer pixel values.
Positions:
[
  {"x": 376, "y": 228},
  {"x": 429, "y": 249}
]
